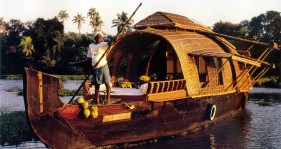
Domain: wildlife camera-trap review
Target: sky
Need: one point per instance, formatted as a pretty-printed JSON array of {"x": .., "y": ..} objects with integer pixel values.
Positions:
[{"x": 207, "y": 12}]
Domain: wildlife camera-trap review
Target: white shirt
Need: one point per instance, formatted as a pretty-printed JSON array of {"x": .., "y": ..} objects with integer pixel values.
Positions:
[{"x": 95, "y": 51}]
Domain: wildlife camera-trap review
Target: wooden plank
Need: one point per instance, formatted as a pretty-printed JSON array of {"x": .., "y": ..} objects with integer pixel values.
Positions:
[
  {"x": 40, "y": 91},
  {"x": 167, "y": 96},
  {"x": 245, "y": 60},
  {"x": 116, "y": 117}
]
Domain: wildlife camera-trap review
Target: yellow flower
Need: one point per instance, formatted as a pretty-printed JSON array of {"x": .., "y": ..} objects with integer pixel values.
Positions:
[
  {"x": 144, "y": 78},
  {"x": 126, "y": 85}
]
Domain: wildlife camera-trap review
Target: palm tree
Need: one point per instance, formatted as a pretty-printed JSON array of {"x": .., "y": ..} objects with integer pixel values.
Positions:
[
  {"x": 96, "y": 23},
  {"x": 120, "y": 22},
  {"x": 26, "y": 46},
  {"x": 92, "y": 13},
  {"x": 63, "y": 15},
  {"x": 79, "y": 19}
]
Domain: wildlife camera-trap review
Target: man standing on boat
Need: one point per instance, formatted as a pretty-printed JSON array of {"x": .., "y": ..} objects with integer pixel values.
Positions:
[{"x": 101, "y": 73}]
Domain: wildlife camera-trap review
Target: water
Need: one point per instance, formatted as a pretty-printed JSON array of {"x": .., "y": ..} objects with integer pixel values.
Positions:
[{"x": 256, "y": 127}]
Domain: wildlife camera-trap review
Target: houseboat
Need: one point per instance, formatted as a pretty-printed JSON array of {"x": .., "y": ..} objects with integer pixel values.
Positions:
[{"x": 177, "y": 75}]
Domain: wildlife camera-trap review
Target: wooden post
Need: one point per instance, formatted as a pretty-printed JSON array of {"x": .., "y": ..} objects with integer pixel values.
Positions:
[{"x": 40, "y": 91}]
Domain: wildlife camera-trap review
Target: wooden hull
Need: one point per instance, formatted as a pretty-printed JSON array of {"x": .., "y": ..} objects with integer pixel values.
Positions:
[
  {"x": 59, "y": 125},
  {"x": 145, "y": 123}
]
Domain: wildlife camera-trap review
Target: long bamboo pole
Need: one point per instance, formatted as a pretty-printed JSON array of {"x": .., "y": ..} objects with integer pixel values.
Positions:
[
  {"x": 120, "y": 31},
  {"x": 235, "y": 38}
]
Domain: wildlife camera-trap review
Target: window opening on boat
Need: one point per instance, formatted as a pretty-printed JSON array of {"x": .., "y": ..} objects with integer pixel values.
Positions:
[
  {"x": 202, "y": 69},
  {"x": 173, "y": 65},
  {"x": 206, "y": 66},
  {"x": 218, "y": 63}
]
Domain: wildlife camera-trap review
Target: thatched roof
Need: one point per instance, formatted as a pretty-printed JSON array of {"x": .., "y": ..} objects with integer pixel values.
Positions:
[{"x": 163, "y": 20}]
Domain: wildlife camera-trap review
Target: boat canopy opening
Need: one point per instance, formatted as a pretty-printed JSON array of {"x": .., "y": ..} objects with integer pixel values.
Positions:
[{"x": 139, "y": 54}]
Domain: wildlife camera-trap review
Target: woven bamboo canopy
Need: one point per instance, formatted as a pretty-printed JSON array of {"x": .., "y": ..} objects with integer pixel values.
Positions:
[
  {"x": 182, "y": 42},
  {"x": 178, "y": 34},
  {"x": 173, "y": 29},
  {"x": 170, "y": 28}
]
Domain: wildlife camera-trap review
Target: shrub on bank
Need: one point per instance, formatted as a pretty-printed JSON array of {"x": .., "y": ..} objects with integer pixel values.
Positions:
[
  {"x": 11, "y": 77},
  {"x": 272, "y": 82},
  {"x": 11, "y": 133},
  {"x": 62, "y": 77}
]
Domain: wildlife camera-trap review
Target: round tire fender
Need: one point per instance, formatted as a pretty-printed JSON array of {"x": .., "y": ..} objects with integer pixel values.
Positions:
[{"x": 211, "y": 111}]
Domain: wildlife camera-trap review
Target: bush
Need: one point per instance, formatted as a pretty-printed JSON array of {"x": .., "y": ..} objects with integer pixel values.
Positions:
[
  {"x": 272, "y": 81},
  {"x": 11, "y": 77},
  {"x": 15, "y": 128}
]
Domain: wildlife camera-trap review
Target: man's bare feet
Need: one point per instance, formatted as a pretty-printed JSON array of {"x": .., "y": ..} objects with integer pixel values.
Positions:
[{"x": 108, "y": 102}]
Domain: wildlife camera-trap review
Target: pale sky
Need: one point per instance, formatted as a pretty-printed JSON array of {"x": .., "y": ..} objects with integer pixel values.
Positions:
[{"x": 207, "y": 12}]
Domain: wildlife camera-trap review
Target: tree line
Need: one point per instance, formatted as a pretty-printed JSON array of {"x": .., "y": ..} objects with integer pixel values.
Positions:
[
  {"x": 43, "y": 45},
  {"x": 265, "y": 27}
]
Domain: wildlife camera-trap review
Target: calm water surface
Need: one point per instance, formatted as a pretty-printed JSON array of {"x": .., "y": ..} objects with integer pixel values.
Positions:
[{"x": 256, "y": 127}]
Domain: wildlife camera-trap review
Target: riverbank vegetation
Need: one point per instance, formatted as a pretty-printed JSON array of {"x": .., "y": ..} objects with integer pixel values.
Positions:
[
  {"x": 43, "y": 45},
  {"x": 271, "y": 81},
  {"x": 62, "y": 93},
  {"x": 61, "y": 77},
  {"x": 15, "y": 128}
]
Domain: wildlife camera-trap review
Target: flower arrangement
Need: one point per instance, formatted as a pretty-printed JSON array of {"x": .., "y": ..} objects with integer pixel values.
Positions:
[
  {"x": 144, "y": 78},
  {"x": 126, "y": 84},
  {"x": 169, "y": 77}
]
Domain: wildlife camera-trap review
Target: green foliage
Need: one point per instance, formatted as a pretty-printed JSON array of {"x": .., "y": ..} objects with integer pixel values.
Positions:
[
  {"x": 14, "y": 128},
  {"x": 96, "y": 23},
  {"x": 265, "y": 28},
  {"x": 11, "y": 77},
  {"x": 14, "y": 89},
  {"x": 95, "y": 19},
  {"x": 264, "y": 103},
  {"x": 63, "y": 15},
  {"x": 70, "y": 77},
  {"x": 26, "y": 46},
  {"x": 11, "y": 59},
  {"x": 227, "y": 28},
  {"x": 68, "y": 92},
  {"x": 272, "y": 81},
  {"x": 54, "y": 48},
  {"x": 120, "y": 22},
  {"x": 49, "y": 40},
  {"x": 79, "y": 19}
]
